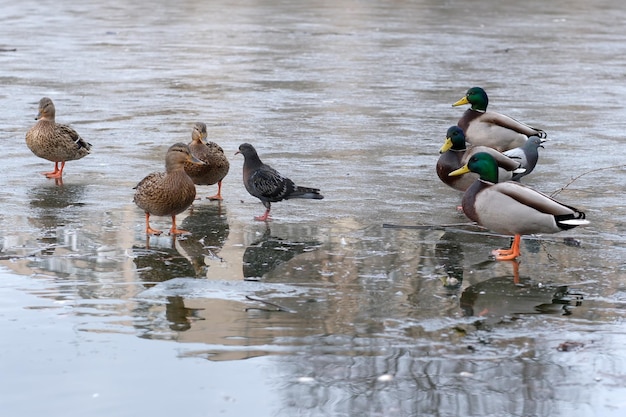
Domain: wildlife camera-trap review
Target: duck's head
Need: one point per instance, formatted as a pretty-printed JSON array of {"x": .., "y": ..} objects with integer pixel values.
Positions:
[
  {"x": 455, "y": 139},
  {"x": 481, "y": 163},
  {"x": 475, "y": 96},
  {"x": 198, "y": 134},
  {"x": 46, "y": 109},
  {"x": 177, "y": 155}
]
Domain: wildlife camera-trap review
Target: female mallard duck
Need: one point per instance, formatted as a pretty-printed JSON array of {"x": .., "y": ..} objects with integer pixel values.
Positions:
[
  {"x": 490, "y": 128},
  {"x": 54, "y": 141},
  {"x": 454, "y": 154},
  {"x": 216, "y": 164},
  {"x": 512, "y": 208},
  {"x": 167, "y": 193}
]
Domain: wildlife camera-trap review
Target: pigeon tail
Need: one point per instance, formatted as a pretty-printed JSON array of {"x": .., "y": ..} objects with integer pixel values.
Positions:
[{"x": 305, "y": 192}]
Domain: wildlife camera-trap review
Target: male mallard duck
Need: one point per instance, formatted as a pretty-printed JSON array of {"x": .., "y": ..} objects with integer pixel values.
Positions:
[
  {"x": 54, "y": 141},
  {"x": 527, "y": 155},
  {"x": 512, "y": 208},
  {"x": 216, "y": 164},
  {"x": 267, "y": 184},
  {"x": 167, "y": 193},
  {"x": 490, "y": 128},
  {"x": 455, "y": 154}
]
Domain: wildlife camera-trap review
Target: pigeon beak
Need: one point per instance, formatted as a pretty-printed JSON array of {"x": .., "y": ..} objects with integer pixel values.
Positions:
[{"x": 237, "y": 153}]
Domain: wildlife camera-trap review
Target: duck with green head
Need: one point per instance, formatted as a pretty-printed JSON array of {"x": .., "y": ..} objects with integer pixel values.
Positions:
[
  {"x": 492, "y": 129},
  {"x": 512, "y": 208},
  {"x": 455, "y": 154}
]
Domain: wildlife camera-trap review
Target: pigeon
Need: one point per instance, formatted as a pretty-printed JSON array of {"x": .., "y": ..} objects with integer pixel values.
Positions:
[
  {"x": 267, "y": 184},
  {"x": 527, "y": 155}
]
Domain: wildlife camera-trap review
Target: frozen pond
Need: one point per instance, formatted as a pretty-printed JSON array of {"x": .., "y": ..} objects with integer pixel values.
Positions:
[{"x": 361, "y": 304}]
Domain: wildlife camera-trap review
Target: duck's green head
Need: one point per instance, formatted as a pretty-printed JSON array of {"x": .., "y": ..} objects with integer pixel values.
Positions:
[
  {"x": 455, "y": 139},
  {"x": 481, "y": 163},
  {"x": 475, "y": 96}
]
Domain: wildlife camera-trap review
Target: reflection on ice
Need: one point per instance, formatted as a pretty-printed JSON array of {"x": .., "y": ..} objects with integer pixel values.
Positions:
[
  {"x": 269, "y": 251},
  {"x": 500, "y": 298}
]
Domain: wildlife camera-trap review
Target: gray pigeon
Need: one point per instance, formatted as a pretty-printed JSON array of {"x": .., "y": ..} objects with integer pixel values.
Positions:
[
  {"x": 527, "y": 155},
  {"x": 267, "y": 184}
]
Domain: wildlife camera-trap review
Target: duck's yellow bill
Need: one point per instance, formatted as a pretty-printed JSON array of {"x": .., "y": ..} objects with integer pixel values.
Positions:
[
  {"x": 463, "y": 170},
  {"x": 461, "y": 102},
  {"x": 446, "y": 145}
]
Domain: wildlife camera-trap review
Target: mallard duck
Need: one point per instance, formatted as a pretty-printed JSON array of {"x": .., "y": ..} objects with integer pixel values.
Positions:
[
  {"x": 167, "y": 193},
  {"x": 267, "y": 184},
  {"x": 216, "y": 164},
  {"x": 455, "y": 154},
  {"x": 53, "y": 141},
  {"x": 512, "y": 208},
  {"x": 527, "y": 155},
  {"x": 490, "y": 128}
]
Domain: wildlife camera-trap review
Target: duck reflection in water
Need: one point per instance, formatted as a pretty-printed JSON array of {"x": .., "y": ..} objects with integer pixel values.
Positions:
[
  {"x": 209, "y": 229},
  {"x": 268, "y": 252},
  {"x": 46, "y": 197},
  {"x": 498, "y": 298},
  {"x": 54, "y": 208},
  {"x": 167, "y": 257},
  {"x": 179, "y": 316},
  {"x": 161, "y": 263},
  {"x": 449, "y": 254}
]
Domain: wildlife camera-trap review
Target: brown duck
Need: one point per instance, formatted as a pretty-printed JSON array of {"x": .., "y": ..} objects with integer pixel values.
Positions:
[
  {"x": 53, "y": 141},
  {"x": 168, "y": 193},
  {"x": 216, "y": 164}
]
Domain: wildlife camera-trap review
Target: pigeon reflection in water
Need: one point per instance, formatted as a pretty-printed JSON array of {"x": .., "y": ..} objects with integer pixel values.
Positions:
[{"x": 267, "y": 253}]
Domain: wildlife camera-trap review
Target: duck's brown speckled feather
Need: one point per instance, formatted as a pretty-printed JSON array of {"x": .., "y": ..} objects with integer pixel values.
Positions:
[
  {"x": 54, "y": 141},
  {"x": 213, "y": 156},
  {"x": 167, "y": 193}
]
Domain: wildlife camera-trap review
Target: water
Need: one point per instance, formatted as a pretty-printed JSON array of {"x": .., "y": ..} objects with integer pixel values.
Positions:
[{"x": 353, "y": 98}]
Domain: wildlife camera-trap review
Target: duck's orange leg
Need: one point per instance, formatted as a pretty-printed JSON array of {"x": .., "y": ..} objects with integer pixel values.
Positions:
[
  {"x": 217, "y": 196},
  {"x": 509, "y": 254},
  {"x": 57, "y": 173},
  {"x": 175, "y": 231},
  {"x": 149, "y": 230},
  {"x": 516, "y": 280}
]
